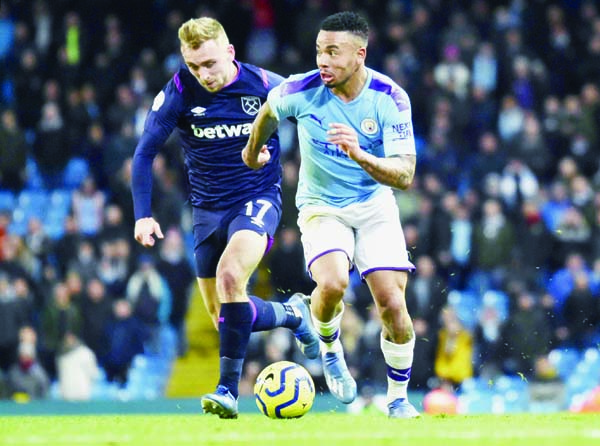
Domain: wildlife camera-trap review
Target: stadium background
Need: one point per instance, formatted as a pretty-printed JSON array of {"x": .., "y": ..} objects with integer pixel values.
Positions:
[{"x": 503, "y": 220}]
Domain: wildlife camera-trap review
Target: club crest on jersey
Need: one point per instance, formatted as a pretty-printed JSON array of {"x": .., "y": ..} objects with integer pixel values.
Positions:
[
  {"x": 369, "y": 126},
  {"x": 250, "y": 104}
]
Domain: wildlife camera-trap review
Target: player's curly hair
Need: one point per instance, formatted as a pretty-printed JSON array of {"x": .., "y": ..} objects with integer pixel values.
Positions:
[
  {"x": 195, "y": 32},
  {"x": 347, "y": 21}
]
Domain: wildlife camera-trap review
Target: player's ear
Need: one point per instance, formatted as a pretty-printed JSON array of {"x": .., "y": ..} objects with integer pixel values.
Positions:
[
  {"x": 231, "y": 51},
  {"x": 362, "y": 53}
]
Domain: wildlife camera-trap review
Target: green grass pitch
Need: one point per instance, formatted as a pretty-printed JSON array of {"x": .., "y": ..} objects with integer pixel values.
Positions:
[{"x": 315, "y": 429}]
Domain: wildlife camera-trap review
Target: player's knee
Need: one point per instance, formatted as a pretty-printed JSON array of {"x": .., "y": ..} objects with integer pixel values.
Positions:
[
  {"x": 333, "y": 287},
  {"x": 228, "y": 284},
  {"x": 393, "y": 311}
]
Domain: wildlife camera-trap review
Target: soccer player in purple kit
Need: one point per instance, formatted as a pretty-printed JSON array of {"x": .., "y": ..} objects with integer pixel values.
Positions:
[{"x": 212, "y": 102}]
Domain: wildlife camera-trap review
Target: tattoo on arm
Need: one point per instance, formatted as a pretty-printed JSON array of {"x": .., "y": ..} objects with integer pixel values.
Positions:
[{"x": 396, "y": 171}]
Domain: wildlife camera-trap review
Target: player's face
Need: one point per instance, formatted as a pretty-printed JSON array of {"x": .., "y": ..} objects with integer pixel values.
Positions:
[
  {"x": 211, "y": 63},
  {"x": 339, "y": 57}
]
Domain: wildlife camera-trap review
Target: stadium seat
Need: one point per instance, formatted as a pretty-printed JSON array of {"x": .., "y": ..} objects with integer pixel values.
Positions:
[
  {"x": 474, "y": 385},
  {"x": 592, "y": 356},
  {"x": 18, "y": 224},
  {"x": 76, "y": 171},
  {"x": 498, "y": 300},
  {"x": 564, "y": 361},
  {"x": 466, "y": 304},
  {"x": 577, "y": 385},
  {"x": 34, "y": 177},
  {"x": 33, "y": 202},
  {"x": 7, "y": 200},
  {"x": 54, "y": 226},
  {"x": 60, "y": 200},
  {"x": 507, "y": 383},
  {"x": 481, "y": 402}
]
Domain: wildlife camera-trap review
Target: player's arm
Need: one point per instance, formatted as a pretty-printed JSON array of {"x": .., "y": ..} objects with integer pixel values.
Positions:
[
  {"x": 141, "y": 188},
  {"x": 256, "y": 154},
  {"x": 395, "y": 171},
  {"x": 160, "y": 122}
]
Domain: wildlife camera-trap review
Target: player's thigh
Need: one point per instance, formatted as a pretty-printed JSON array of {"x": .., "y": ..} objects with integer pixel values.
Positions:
[
  {"x": 331, "y": 272},
  {"x": 208, "y": 247},
  {"x": 380, "y": 243},
  {"x": 250, "y": 235},
  {"x": 242, "y": 254},
  {"x": 322, "y": 235},
  {"x": 388, "y": 288}
]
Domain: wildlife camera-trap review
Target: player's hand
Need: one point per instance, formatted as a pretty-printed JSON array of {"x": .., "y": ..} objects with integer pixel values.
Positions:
[
  {"x": 263, "y": 157},
  {"x": 145, "y": 231},
  {"x": 346, "y": 139}
]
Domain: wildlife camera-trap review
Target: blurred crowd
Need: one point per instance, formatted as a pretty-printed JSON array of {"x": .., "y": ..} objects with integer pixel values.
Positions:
[{"x": 503, "y": 221}]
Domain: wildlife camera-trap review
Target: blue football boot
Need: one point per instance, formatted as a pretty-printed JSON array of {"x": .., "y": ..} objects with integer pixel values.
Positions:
[
  {"x": 306, "y": 336},
  {"x": 338, "y": 378},
  {"x": 401, "y": 408},
  {"x": 221, "y": 403}
]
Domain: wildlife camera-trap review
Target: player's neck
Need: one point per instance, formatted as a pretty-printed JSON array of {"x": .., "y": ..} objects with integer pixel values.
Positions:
[
  {"x": 232, "y": 73},
  {"x": 353, "y": 86}
]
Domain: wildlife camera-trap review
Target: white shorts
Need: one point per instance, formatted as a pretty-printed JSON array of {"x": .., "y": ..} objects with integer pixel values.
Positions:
[{"x": 369, "y": 233}]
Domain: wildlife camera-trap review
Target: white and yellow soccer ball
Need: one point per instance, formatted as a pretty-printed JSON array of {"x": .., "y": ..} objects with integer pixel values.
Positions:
[{"x": 284, "y": 389}]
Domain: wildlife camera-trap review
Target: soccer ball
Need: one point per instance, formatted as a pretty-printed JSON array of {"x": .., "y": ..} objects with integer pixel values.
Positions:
[{"x": 284, "y": 389}]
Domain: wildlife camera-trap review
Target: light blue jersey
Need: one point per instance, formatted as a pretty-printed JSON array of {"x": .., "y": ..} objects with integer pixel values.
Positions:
[{"x": 381, "y": 116}]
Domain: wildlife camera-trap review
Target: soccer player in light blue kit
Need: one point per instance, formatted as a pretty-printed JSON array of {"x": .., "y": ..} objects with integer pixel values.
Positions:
[
  {"x": 212, "y": 101},
  {"x": 356, "y": 144}
]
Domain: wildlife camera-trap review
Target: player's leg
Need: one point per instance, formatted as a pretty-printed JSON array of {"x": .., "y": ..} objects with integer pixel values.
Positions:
[
  {"x": 208, "y": 291},
  {"x": 397, "y": 337},
  {"x": 293, "y": 314},
  {"x": 330, "y": 272},
  {"x": 382, "y": 259},
  {"x": 249, "y": 231},
  {"x": 261, "y": 216},
  {"x": 328, "y": 245},
  {"x": 239, "y": 259}
]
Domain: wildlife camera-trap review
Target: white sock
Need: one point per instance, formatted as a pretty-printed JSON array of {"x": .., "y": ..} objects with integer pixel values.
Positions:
[
  {"x": 398, "y": 358},
  {"x": 329, "y": 333}
]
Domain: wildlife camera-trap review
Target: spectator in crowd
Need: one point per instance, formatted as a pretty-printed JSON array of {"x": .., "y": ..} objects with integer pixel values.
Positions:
[
  {"x": 77, "y": 369},
  {"x": 580, "y": 313},
  {"x": 59, "y": 316},
  {"x": 454, "y": 354},
  {"x": 14, "y": 150},
  {"x": 115, "y": 265},
  {"x": 82, "y": 254},
  {"x": 174, "y": 266},
  {"x": 27, "y": 377},
  {"x": 96, "y": 312},
  {"x": 150, "y": 297},
  {"x": 127, "y": 336},
  {"x": 88, "y": 207},
  {"x": 13, "y": 316},
  {"x": 493, "y": 244},
  {"x": 525, "y": 335},
  {"x": 426, "y": 293},
  {"x": 50, "y": 149}
]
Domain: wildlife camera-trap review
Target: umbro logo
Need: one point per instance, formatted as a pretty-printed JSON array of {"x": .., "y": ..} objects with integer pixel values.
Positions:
[{"x": 198, "y": 111}]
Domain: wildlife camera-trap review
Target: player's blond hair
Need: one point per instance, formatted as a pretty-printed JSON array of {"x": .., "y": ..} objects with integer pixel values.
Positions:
[{"x": 195, "y": 32}]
